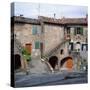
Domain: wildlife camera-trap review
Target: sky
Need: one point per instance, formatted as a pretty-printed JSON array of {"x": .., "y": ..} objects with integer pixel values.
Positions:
[{"x": 33, "y": 10}]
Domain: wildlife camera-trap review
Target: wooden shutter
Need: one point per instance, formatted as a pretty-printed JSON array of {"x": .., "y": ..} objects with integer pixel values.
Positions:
[
  {"x": 37, "y": 45},
  {"x": 81, "y": 30},
  {"x": 34, "y": 30},
  {"x": 75, "y": 31},
  {"x": 28, "y": 47}
]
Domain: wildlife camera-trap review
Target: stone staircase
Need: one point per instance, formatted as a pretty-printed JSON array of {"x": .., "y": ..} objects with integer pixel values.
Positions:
[{"x": 55, "y": 50}]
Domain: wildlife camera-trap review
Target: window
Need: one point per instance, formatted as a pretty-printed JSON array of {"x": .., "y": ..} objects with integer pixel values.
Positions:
[
  {"x": 78, "y": 30},
  {"x": 71, "y": 46},
  {"x": 75, "y": 31},
  {"x": 34, "y": 30},
  {"x": 68, "y": 30},
  {"x": 84, "y": 47},
  {"x": 37, "y": 45},
  {"x": 81, "y": 30}
]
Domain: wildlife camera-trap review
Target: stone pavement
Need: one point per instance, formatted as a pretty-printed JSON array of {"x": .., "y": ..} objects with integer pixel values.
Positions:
[
  {"x": 59, "y": 78},
  {"x": 37, "y": 66},
  {"x": 40, "y": 75},
  {"x": 36, "y": 79}
]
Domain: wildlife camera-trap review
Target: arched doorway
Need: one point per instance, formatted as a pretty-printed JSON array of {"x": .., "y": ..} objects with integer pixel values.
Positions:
[
  {"x": 17, "y": 61},
  {"x": 68, "y": 61},
  {"x": 53, "y": 61},
  {"x": 78, "y": 46}
]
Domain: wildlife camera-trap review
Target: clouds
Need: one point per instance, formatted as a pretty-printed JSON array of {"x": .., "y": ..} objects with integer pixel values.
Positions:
[{"x": 32, "y": 10}]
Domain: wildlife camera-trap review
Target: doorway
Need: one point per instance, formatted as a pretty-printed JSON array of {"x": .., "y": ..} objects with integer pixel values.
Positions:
[
  {"x": 41, "y": 49},
  {"x": 53, "y": 61},
  {"x": 17, "y": 61},
  {"x": 28, "y": 47},
  {"x": 68, "y": 61}
]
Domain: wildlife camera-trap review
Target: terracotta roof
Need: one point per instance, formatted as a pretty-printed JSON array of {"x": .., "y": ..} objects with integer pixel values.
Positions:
[
  {"x": 18, "y": 19},
  {"x": 63, "y": 21}
]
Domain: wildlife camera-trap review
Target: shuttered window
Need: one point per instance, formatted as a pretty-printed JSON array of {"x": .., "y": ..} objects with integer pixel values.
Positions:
[
  {"x": 37, "y": 45},
  {"x": 34, "y": 30},
  {"x": 68, "y": 30},
  {"x": 81, "y": 30},
  {"x": 78, "y": 30},
  {"x": 75, "y": 31}
]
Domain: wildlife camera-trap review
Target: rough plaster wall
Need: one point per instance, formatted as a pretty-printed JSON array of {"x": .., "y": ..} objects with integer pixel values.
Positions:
[
  {"x": 24, "y": 35},
  {"x": 16, "y": 50},
  {"x": 53, "y": 36}
]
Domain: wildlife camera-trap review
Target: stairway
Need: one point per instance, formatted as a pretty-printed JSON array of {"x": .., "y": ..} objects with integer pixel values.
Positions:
[
  {"x": 46, "y": 57},
  {"x": 55, "y": 50}
]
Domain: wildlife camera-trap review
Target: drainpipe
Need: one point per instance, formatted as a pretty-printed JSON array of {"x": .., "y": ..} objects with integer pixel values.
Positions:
[{"x": 42, "y": 36}]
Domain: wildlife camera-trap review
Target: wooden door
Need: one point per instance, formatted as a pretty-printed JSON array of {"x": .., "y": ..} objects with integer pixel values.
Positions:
[
  {"x": 69, "y": 64},
  {"x": 28, "y": 46}
]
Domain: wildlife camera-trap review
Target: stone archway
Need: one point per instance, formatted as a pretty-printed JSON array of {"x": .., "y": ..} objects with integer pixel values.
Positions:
[
  {"x": 17, "y": 61},
  {"x": 68, "y": 61},
  {"x": 53, "y": 61}
]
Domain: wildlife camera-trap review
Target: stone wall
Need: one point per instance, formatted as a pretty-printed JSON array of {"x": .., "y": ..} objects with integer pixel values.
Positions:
[
  {"x": 53, "y": 36},
  {"x": 24, "y": 35},
  {"x": 79, "y": 38}
]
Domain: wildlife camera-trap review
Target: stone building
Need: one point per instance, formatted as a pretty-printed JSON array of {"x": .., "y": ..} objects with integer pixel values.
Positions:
[
  {"x": 77, "y": 34},
  {"x": 45, "y": 37}
]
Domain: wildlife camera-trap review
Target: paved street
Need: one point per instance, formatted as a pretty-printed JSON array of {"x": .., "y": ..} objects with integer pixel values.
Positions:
[
  {"x": 58, "y": 78},
  {"x": 35, "y": 78}
]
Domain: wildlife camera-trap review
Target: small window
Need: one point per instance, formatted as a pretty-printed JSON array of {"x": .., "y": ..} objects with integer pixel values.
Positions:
[
  {"x": 37, "y": 45},
  {"x": 71, "y": 46},
  {"x": 68, "y": 30},
  {"x": 81, "y": 30},
  {"x": 62, "y": 51},
  {"x": 34, "y": 30},
  {"x": 75, "y": 31},
  {"x": 78, "y": 30}
]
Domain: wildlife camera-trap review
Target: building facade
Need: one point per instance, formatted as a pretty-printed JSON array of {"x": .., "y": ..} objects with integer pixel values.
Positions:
[{"x": 47, "y": 36}]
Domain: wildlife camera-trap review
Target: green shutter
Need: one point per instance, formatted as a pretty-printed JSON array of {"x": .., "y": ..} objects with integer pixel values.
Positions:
[
  {"x": 34, "y": 30},
  {"x": 81, "y": 30},
  {"x": 37, "y": 45},
  {"x": 75, "y": 31}
]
